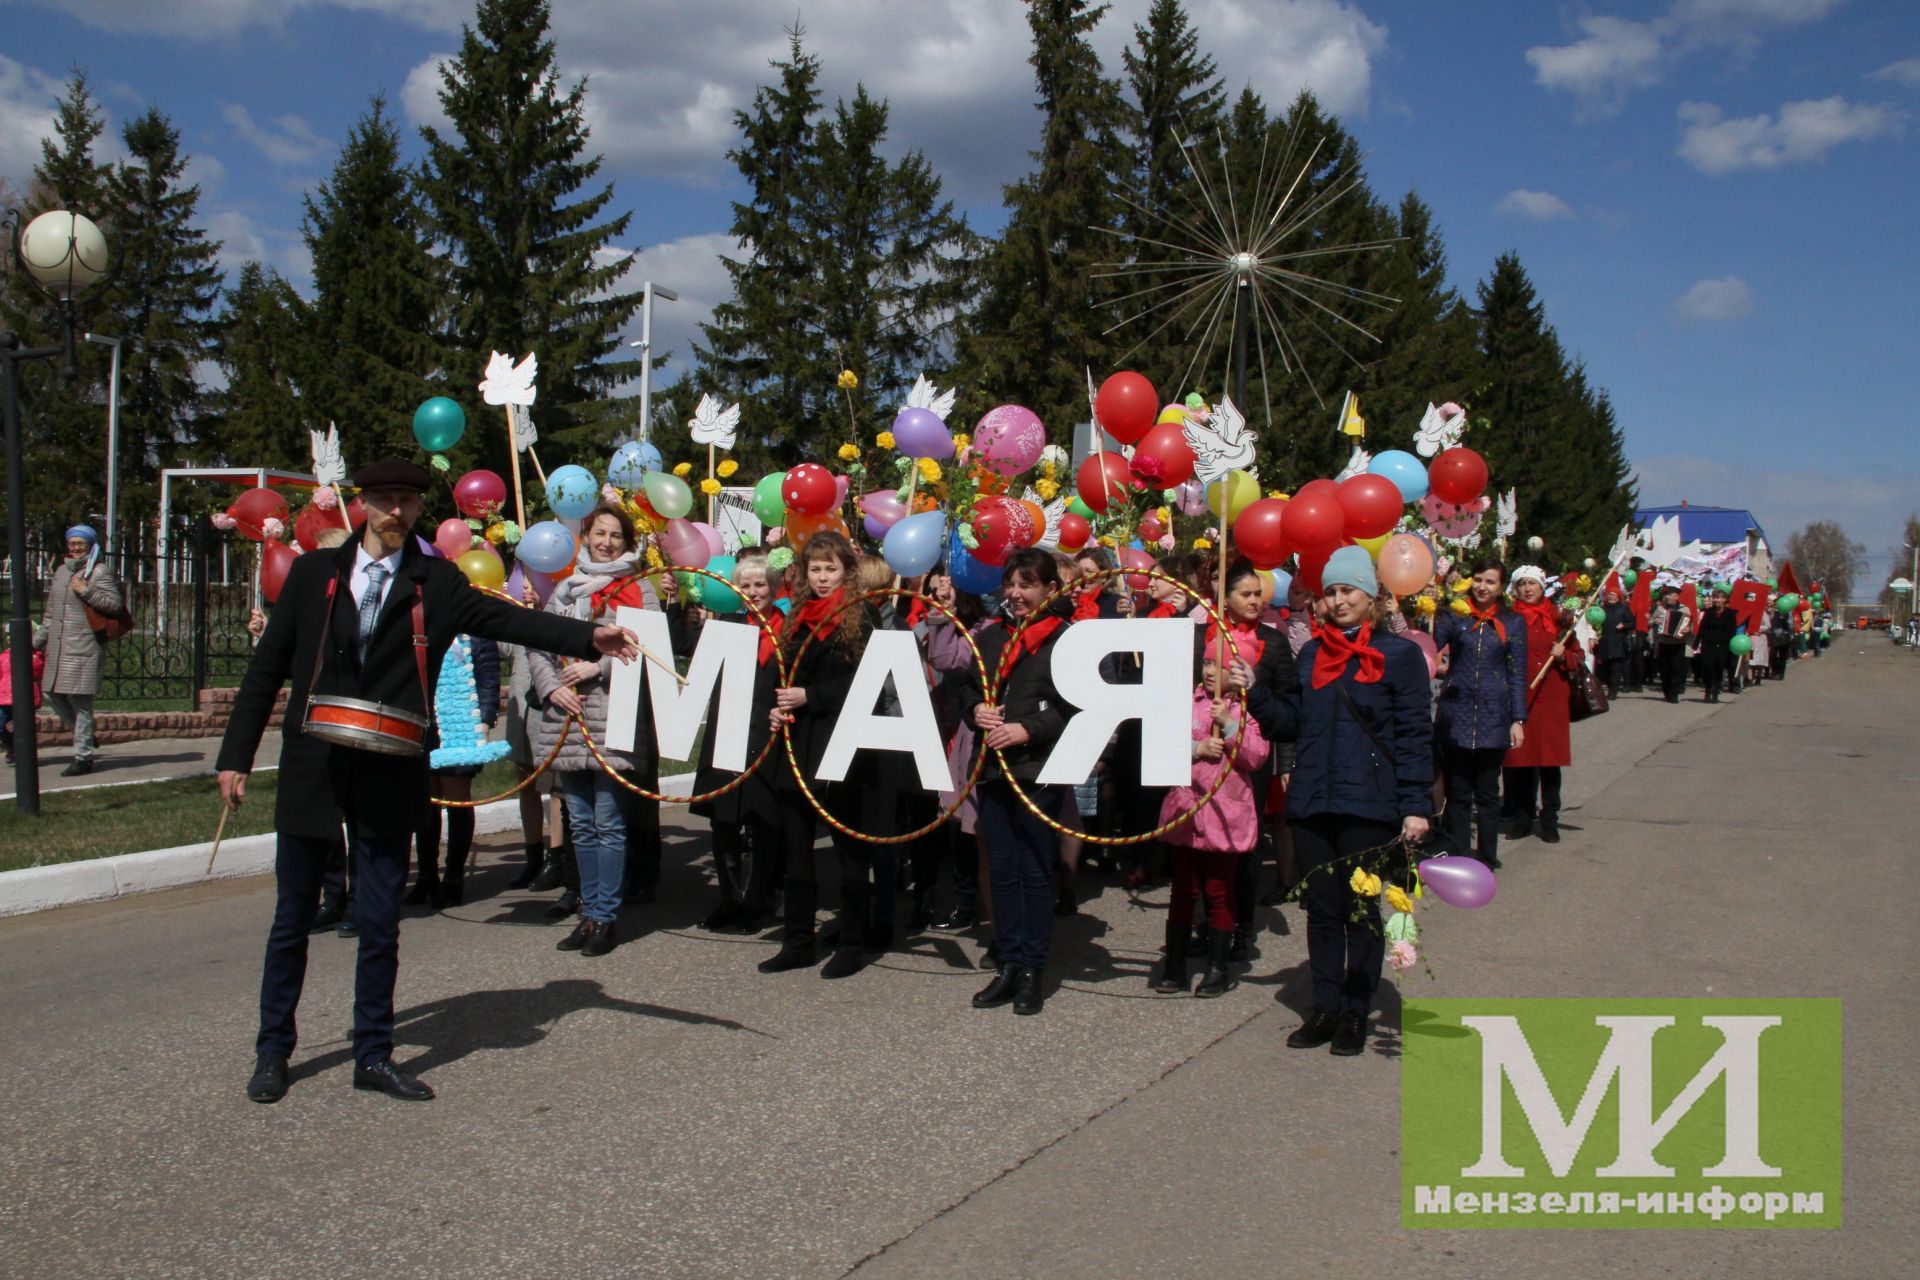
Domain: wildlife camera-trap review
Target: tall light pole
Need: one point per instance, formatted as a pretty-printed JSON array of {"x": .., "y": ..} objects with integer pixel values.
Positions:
[
  {"x": 65, "y": 254},
  {"x": 113, "y": 432},
  {"x": 648, "y": 292}
]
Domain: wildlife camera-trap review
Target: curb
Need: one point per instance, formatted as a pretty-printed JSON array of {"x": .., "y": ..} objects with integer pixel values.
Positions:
[{"x": 68, "y": 884}]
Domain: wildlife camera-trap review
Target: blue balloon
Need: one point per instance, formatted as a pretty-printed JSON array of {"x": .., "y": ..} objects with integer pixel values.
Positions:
[
  {"x": 970, "y": 575},
  {"x": 631, "y": 462},
  {"x": 571, "y": 492},
  {"x": 546, "y": 546},
  {"x": 1405, "y": 470},
  {"x": 912, "y": 546},
  {"x": 1282, "y": 583}
]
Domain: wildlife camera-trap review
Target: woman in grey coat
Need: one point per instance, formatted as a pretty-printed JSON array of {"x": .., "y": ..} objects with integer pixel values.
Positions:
[{"x": 74, "y": 650}]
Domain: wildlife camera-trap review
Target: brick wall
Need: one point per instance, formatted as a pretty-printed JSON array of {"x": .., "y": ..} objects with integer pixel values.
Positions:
[{"x": 210, "y": 721}]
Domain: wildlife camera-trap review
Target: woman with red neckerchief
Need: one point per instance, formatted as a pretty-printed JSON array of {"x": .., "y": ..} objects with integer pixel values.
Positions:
[
  {"x": 1531, "y": 782},
  {"x": 1483, "y": 709}
]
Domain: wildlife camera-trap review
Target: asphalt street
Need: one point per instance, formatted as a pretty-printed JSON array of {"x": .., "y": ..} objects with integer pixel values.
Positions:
[{"x": 669, "y": 1111}]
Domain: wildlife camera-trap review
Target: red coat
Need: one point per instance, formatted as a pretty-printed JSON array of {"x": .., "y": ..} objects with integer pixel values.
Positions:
[{"x": 1549, "y": 735}]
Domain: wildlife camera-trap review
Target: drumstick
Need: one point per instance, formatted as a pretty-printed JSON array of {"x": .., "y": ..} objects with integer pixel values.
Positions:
[
  {"x": 218, "y": 831},
  {"x": 660, "y": 662}
]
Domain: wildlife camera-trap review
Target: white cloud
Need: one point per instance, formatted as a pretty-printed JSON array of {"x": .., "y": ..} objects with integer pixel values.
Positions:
[
  {"x": 27, "y": 99},
  {"x": 1906, "y": 72},
  {"x": 1615, "y": 56},
  {"x": 288, "y": 140},
  {"x": 242, "y": 239},
  {"x": 208, "y": 19},
  {"x": 1714, "y": 302},
  {"x": 1804, "y": 133},
  {"x": 1540, "y": 206}
]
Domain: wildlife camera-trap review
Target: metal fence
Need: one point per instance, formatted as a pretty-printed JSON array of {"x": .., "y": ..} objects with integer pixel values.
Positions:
[{"x": 190, "y": 604}]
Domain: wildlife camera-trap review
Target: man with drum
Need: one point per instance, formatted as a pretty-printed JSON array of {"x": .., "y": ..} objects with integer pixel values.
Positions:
[{"x": 360, "y": 631}]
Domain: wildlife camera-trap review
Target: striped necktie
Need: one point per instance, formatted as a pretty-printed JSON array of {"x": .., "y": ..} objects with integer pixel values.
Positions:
[{"x": 369, "y": 609}]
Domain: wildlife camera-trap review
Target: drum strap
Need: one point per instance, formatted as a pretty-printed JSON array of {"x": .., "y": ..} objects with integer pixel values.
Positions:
[{"x": 419, "y": 644}]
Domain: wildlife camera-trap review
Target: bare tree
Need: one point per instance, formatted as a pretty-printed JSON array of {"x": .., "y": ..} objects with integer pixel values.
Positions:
[
  {"x": 1900, "y": 562},
  {"x": 1822, "y": 553}
]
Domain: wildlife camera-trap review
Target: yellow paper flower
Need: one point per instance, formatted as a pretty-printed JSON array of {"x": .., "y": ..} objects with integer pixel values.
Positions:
[
  {"x": 1107, "y": 541},
  {"x": 849, "y": 452},
  {"x": 846, "y": 381},
  {"x": 929, "y": 470},
  {"x": 1583, "y": 583},
  {"x": 1461, "y": 607},
  {"x": 710, "y": 487},
  {"x": 654, "y": 559},
  {"x": 1275, "y": 493},
  {"x": 1397, "y": 899},
  {"x": 884, "y": 439},
  {"x": 1202, "y": 544},
  {"x": 962, "y": 442},
  {"x": 1364, "y": 884},
  {"x": 1047, "y": 489},
  {"x": 683, "y": 470},
  {"x": 1427, "y": 606},
  {"x": 1460, "y": 586},
  {"x": 727, "y": 468}
]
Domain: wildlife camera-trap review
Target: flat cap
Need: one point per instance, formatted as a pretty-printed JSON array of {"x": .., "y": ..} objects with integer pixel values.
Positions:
[{"x": 393, "y": 473}]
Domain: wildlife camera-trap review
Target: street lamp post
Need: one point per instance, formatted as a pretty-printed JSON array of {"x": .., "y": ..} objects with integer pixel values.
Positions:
[
  {"x": 65, "y": 254},
  {"x": 113, "y": 433},
  {"x": 648, "y": 292}
]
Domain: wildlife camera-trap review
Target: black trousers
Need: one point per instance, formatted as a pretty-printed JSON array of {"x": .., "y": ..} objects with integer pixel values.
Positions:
[
  {"x": 1021, "y": 853},
  {"x": 1473, "y": 800},
  {"x": 379, "y": 874},
  {"x": 1613, "y": 671},
  {"x": 1532, "y": 791},
  {"x": 336, "y": 889},
  {"x": 1672, "y": 661},
  {"x": 1346, "y": 947},
  {"x": 794, "y": 828},
  {"x": 1713, "y": 669},
  {"x": 747, "y": 866}
]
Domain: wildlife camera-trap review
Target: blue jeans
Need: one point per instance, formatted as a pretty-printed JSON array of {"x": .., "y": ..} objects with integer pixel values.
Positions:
[
  {"x": 1020, "y": 855},
  {"x": 597, "y": 806}
]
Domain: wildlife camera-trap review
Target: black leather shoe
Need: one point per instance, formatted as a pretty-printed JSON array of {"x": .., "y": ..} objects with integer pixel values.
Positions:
[
  {"x": 844, "y": 963},
  {"x": 269, "y": 1083},
  {"x": 349, "y": 927},
  {"x": 1244, "y": 948},
  {"x": 722, "y": 918},
  {"x": 786, "y": 959},
  {"x": 77, "y": 768},
  {"x": 424, "y": 890},
  {"x": 384, "y": 1077},
  {"x": 1219, "y": 976},
  {"x": 550, "y": 876},
  {"x": 1518, "y": 828},
  {"x": 1349, "y": 1035},
  {"x": 1315, "y": 1031},
  {"x": 954, "y": 921},
  {"x": 576, "y": 940},
  {"x": 1001, "y": 990},
  {"x": 324, "y": 919},
  {"x": 1031, "y": 997},
  {"x": 1173, "y": 972},
  {"x": 536, "y": 862},
  {"x": 568, "y": 904},
  {"x": 451, "y": 891},
  {"x": 1549, "y": 831},
  {"x": 922, "y": 913},
  {"x": 600, "y": 939},
  {"x": 990, "y": 958}
]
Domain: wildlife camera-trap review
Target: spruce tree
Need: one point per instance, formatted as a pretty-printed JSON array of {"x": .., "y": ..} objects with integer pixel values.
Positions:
[
  {"x": 260, "y": 416},
  {"x": 528, "y": 267},
  {"x": 1429, "y": 341},
  {"x": 1525, "y": 407}
]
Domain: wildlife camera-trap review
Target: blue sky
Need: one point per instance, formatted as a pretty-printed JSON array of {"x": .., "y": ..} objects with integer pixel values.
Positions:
[{"x": 1715, "y": 198}]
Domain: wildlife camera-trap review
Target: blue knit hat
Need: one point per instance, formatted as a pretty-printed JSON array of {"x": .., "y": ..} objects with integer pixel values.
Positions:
[
  {"x": 1353, "y": 566},
  {"x": 84, "y": 531}
]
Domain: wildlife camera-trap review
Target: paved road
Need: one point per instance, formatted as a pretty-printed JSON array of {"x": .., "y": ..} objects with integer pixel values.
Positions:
[{"x": 668, "y": 1111}]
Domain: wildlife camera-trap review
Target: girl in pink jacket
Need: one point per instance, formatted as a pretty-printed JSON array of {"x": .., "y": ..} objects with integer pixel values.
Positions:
[
  {"x": 6, "y": 694},
  {"x": 1206, "y": 848}
]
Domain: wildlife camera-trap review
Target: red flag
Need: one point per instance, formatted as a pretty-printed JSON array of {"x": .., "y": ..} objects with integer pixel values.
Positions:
[
  {"x": 1749, "y": 604},
  {"x": 1642, "y": 600},
  {"x": 1789, "y": 585}
]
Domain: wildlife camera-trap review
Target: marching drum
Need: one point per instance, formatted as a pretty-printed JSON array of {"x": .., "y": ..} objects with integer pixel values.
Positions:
[{"x": 365, "y": 726}]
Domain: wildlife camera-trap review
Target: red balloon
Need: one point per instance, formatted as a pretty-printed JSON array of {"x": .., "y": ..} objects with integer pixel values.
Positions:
[
  {"x": 276, "y": 558},
  {"x": 312, "y": 522},
  {"x": 1093, "y": 489},
  {"x": 1139, "y": 561},
  {"x": 1126, "y": 406},
  {"x": 1307, "y": 572},
  {"x": 809, "y": 489},
  {"x": 996, "y": 530},
  {"x": 1373, "y": 505},
  {"x": 252, "y": 509},
  {"x": 356, "y": 513},
  {"x": 1314, "y": 522},
  {"x": 1074, "y": 532},
  {"x": 1151, "y": 530},
  {"x": 1258, "y": 532},
  {"x": 1459, "y": 475},
  {"x": 479, "y": 494},
  {"x": 1322, "y": 485},
  {"x": 1162, "y": 457}
]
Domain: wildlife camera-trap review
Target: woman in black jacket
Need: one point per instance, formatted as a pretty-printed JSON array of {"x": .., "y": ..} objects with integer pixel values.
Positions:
[
  {"x": 1718, "y": 625},
  {"x": 1019, "y": 719},
  {"x": 1616, "y": 641}
]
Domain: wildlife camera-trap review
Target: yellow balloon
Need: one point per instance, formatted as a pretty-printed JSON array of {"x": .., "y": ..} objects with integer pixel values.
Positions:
[
  {"x": 1233, "y": 493},
  {"x": 1174, "y": 413},
  {"x": 483, "y": 568},
  {"x": 1373, "y": 545}
]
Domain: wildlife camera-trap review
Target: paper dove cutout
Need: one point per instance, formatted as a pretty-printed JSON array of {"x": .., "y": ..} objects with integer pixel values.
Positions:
[
  {"x": 1437, "y": 433},
  {"x": 1506, "y": 515},
  {"x": 328, "y": 466},
  {"x": 1660, "y": 545},
  {"x": 1356, "y": 465},
  {"x": 1221, "y": 444},
  {"x": 1054, "y": 510},
  {"x": 927, "y": 396},
  {"x": 714, "y": 422},
  {"x": 509, "y": 383}
]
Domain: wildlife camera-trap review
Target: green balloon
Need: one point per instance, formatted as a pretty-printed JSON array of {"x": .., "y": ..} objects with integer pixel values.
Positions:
[
  {"x": 767, "y": 502},
  {"x": 1597, "y": 616},
  {"x": 1080, "y": 508},
  {"x": 1741, "y": 646},
  {"x": 717, "y": 596},
  {"x": 1629, "y": 576},
  {"x": 1774, "y": 583},
  {"x": 1787, "y": 603},
  {"x": 439, "y": 423}
]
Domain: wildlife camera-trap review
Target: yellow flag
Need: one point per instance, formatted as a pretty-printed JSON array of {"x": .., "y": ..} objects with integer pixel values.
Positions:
[{"x": 1350, "y": 420}]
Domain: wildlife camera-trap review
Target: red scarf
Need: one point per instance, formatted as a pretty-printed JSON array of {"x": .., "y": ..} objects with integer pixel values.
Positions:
[
  {"x": 1336, "y": 650},
  {"x": 770, "y": 633},
  {"x": 1542, "y": 617},
  {"x": 1165, "y": 609},
  {"x": 814, "y": 613},
  {"x": 619, "y": 591},
  {"x": 1026, "y": 642},
  {"x": 916, "y": 610},
  {"x": 1246, "y": 641},
  {"x": 1086, "y": 604},
  {"x": 1490, "y": 618}
]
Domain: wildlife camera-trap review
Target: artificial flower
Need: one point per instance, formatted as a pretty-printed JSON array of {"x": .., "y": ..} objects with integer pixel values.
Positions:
[
  {"x": 1397, "y": 898},
  {"x": 609, "y": 495},
  {"x": 271, "y": 529},
  {"x": 1401, "y": 955},
  {"x": 847, "y": 381},
  {"x": 654, "y": 559},
  {"x": 1364, "y": 883},
  {"x": 1167, "y": 542},
  {"x": 1461, "y": 586},
  {"x": 884, "y": 440},
  {"x": 683, "y": 470},
  {"x": 1583, "y": 583},
  {"x": 1148, "y": 469},
  {"x": 440, "y": 463},
  {"x": 779, "y": 558},
  {"x": 710, "y": 487},
  {"x": 1195, "y": 400},
  {"x": 1402, "y": 927},
  {"x": 496, "y": 534},
  {"x": 962, "y": 442},
  {"x": 223, "y": 522},
  {"x": 326, "y": 499},
  {"x": 929, "y": 471},
  {"x": 1461, "y": 607},
  {"x": 968, "y": 538},
  {"x": 727, "y": 468},
  {"x": 1427, "y": 606},
  {"x": 1047, "y": 489},
  {"x": 1202, "y": 544},
  {"x": 848, "y": 452},
  {"x": 1106, "y": 540},
  {"x": 510, "y": 533}
]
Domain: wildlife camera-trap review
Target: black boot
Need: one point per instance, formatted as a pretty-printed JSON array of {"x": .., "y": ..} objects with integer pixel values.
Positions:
[
  {"x": 1518, "y": 828},
  {"x": 1244, "y": 948},
  {"x": 551, "y": 872},
  {"x": 1197, "y": 941},
  {"x": 1550, "y": 830},
  {"x": 426, "y": 887},
  {"x": 1349, "y": 1034},
  {"x": 536, "y": 863},
  {"x": 453, "y": 884},
  {"x": 578, "y": 938},
  {"x": 1173, "y": 970},
  {"x": 600, "y": 939},
  {"x": 1315, "y": 1031},
  {"x": 1001, "y": 990},
  {"x": 723, "y": 917},
  {"x": 1031, "y": 996},
  {"x": 568, "y": 903},
  {"x": 1218, "y": 976},
  {"x": 792, "y": 955}
]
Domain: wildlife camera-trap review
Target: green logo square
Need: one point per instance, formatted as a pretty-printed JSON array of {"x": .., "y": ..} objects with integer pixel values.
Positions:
[{"x": 1620, "y": 1113}]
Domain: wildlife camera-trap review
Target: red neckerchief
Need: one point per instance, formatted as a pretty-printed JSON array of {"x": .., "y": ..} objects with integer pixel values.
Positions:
[
  {"x": 1246, "y": 640},
  {"x": 1490, "y": 618},
  {"x": 1165, "y": 609},
  {"x": 1336, "y": 650},
  {"x": 770, "y": 633},
  {"x": 1086, "y": 604},
  {"x": 814, "y": 613},
  {"x": 622, "y": 590},
  {"x": 1026, "y": 642},
  {"x": 1542, "y": 617}
]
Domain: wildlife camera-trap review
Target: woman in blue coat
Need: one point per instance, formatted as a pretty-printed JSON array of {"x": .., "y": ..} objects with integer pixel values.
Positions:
[
  {"x": 1483, "y": 709},
  {"x": 1361, "y": 778}
]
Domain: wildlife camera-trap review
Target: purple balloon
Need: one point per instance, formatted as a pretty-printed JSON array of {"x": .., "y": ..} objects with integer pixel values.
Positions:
[
  {"x": 1010, "y": 439},
  {"x": 880, "y": 511},
  {"x": 919, "y": 433},
  {"x": 1459, "y": 881},
  {"x": 428, "y": 548}
]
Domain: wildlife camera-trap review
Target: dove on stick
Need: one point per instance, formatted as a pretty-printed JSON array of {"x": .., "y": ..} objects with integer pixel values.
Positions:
[{"x": 511, "y": 385}]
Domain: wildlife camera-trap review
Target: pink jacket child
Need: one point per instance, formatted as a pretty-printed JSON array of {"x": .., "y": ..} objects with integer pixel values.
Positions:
[
  {"x": 1230, "y": 822},
  {"x": 6, "y": 676}
]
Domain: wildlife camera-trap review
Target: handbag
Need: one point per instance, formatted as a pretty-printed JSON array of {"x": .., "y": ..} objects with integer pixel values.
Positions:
[{"x": 1586, "y": 696}]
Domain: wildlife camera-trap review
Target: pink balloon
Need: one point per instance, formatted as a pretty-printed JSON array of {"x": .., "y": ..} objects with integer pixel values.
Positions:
[
  {"x": 1139, "y": 562},
  {"x": 453, "y": 538},
  {"x": 1191, "y": 498},
  {"x": 715, "y": 544},
  {"x": 880, "y": 511},
  {"x": 1459, "y": 881},
  {"x": 1009, "y": 439},
  {"x": 683, "y": 545},
  {"x": 839, "y": 491},
  {"x": 1427, "y": 646},
  {"x": 1405, "y": 564}
]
